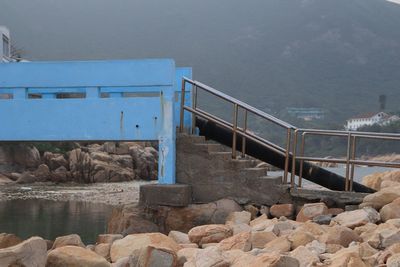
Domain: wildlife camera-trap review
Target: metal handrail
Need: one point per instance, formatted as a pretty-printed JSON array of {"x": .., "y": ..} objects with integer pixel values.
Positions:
[
  {"x": 290, "y": 150},
  {"x": 233, "y": 126}
]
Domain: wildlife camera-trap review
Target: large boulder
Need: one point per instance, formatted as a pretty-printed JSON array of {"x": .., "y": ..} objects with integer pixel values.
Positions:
[
  {"x": 379, "y": 199},
  {"x": 260, "y": 238},
  {"x": 145, "y": 162},
  {"x": 238, "y": 217},
  {"x": 31, "y": 252},
  {"x": 240, "y": 241},
  {"x": 68, "y": 240},
  {"x": 212, "y": 233},
  {"x": 355, "y": 218},
  {"x": 73, "y": 256},
  {"x": 311, "y": 210},
  {"x": 26, "y": 178},
  {"x": 137, "y": 245},
  {"x": 26, "y": 155},
  {"x": 391, "y": 210}
]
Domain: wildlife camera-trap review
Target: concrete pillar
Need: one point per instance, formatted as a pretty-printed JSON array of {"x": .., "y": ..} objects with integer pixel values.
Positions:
[{"x": 167, "y": 139}]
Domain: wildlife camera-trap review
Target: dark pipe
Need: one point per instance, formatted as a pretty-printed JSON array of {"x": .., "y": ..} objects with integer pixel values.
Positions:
[{"x": 311, "y": 172}]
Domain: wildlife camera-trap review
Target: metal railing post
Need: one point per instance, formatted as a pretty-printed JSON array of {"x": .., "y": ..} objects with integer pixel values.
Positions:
[
  {"x": 293, "y": 172},
  {"x": 194, "y": 103},
  {"x": 243, "y": 137},
  {"x": 303, "y": 142},
  {"x": 353, "y": 157},
  {"x": 182, "y": 105},
  {"x": 235, "y": 115},
  {"x": 348, "y": 162},
  {"x": 288, "y": 139}
]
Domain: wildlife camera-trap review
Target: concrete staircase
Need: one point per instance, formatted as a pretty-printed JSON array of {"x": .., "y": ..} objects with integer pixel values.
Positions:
[{"x": 213, "y": 174}]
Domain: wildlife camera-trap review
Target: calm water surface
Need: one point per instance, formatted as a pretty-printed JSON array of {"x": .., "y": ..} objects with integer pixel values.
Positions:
[{"x": 49, "y": 219}]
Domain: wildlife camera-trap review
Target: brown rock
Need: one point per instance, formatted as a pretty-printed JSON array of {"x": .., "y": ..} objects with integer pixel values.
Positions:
[
  {"x": 394, "y": 260},
  {"x": 253, "y": 211},
  {"x": 305, "y": 256},
  {"x": 238, "y": 217},
  {"x": 42, "y": 173},
  {"x": 260, "y": 239},
  {"x": 389, "y": 237},
  {"x": 140, "y": 244},
  {"x": 108, "y": 238},
  {"x": 335, "y": 211},
  {"x": 340, "y": 235},
  {"x": 179, "y": 237},
  {"x": 274, "y": 260},
  {"x": 300, "y": 238},
  {"x": 279, "y": 245},
  {"x": 352, "y": 219},
  {"x": 312, "y": 228},
  {"x": 68, "y": 240},
  {"x": 391, "y": 210},
  {"x": 379, "y": 199},
  {"x": 211, "y": 256},
  {"x": 209, "y": 233},
  {"x": 347, "y": 258},
  {"x": 103, "y": 249},
  {"x": 279, "y": 210},
  {"x": 309, "y": 211},
  {"x": 73, "y": 256},
  {"x": 240, "y": 241},
  {"x": 9, "y": 240},
  {"x": 239, "y": 228},
  {"x": 185, "y": 254},
  {"x": 31, "y": 252},
  {"x": 190, "y": 245}
]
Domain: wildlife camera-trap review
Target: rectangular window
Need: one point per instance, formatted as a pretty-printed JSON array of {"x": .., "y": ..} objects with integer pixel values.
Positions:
[{"x": 6, "y": 46}]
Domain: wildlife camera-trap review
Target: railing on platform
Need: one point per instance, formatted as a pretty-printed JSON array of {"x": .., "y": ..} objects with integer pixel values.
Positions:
[{"x": 292, "y": 134}]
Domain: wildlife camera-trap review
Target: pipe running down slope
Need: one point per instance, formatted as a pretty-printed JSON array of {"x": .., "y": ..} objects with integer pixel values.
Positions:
[{"x": 311, "y": 172}]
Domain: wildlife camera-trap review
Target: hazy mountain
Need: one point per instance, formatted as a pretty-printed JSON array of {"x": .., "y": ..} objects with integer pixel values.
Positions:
[{"x": 335, "y": 54}]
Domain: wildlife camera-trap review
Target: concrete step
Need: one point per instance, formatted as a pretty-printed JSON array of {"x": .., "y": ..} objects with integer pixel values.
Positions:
[
  {"x": 221, "y": 155},
  {"x": 195, "y": 139},
  {"x": 211, "y": 147},
  {"x": 243, "y": 163},
  {"x": 254, "y": 172}
]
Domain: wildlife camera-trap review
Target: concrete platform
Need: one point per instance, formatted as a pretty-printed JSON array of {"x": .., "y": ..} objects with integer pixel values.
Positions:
[{"x": 177, "y": 195}]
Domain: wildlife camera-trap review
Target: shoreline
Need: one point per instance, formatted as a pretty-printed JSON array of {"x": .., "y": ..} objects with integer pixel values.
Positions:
[{"x": 113, "y": 194}]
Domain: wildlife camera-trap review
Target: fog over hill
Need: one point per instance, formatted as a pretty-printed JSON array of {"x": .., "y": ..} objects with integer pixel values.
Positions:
[{"x": 339, "y": 55}]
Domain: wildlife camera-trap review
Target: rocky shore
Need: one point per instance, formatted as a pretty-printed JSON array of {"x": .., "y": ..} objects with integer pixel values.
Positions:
[
  {"x": 84, "y": 163},
  {"x": 224, "y": 233}
]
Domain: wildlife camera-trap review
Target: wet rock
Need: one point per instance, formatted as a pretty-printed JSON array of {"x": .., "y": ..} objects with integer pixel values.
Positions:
[
  {"x": 73, "y": 256},
  {"x": 145, "y": 247},
  {"x": 31, "y": 252},
  {"x": 9, "y": 240},
  {"x": 352, "y": 219},
  {"x": 391, "y": 210},
  {"x": 279, "y": 210},
  {"x": 68, "y": 240},
  {"x": 309, "y": 211},
  {"x": 209, "y": 233}
]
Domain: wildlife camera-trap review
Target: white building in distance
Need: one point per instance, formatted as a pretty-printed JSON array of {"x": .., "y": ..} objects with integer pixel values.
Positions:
[
  {"x": 368, "y": 119},
  {"x": 5, "y": 45}
]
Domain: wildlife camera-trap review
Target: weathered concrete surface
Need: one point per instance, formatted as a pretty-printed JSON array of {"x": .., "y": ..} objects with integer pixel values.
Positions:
[
  {"x": 213, "y": 175},
  {"x": 177, "y": 195},
  {"x": 341, "y": 198}
]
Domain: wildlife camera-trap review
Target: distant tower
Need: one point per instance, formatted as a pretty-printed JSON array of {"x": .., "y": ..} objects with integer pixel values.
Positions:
[
  {"x": 5, "y": 45},
  {"x": 382, "y": 102}
]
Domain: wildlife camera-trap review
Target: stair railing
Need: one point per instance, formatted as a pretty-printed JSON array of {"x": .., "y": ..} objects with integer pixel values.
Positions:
[
  {"x": 290, "y": 149},
  {"x": 233, "y": 126}
]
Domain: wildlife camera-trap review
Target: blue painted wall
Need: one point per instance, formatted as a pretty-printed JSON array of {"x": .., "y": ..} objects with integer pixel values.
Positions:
[{"x": 151, "y": 112}]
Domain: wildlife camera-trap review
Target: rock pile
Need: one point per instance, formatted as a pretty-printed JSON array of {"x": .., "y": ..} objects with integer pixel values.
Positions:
[{"x": 108, "y": 162}]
